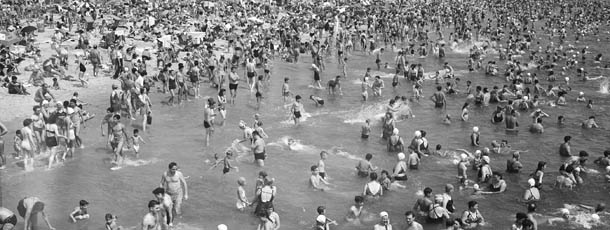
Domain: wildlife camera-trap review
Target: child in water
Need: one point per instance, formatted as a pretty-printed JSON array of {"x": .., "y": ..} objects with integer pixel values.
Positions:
[
  {"x": 366, "y": 129},
  {"x": 135, "y": 141},
  {"x": 318, "y": 100},
  {"x": 17, "y": 143},
  {"x": 226, "y": 161},
  {"x": 354, "y": 213},
  {"x": 242, "y": 199},
  {"x": 111, "y": 222},
  {"x": 80, "y": 213}
]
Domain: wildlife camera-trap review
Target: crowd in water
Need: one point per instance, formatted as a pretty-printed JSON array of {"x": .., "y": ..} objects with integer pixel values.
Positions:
[{"x": 536, "y": 46}]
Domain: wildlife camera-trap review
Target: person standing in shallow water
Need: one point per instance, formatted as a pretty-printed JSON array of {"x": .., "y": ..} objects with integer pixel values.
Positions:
[
  {"x": 175, "y": 185},
  {"x": 258, "y": 148}
]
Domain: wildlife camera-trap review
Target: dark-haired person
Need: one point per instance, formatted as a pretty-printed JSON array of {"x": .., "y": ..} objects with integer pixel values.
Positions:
[
  {"x": 151, "y": 220},
  {"x": 166, "y": 204},
  {"x": 118, "y": 139},
  {"x": 564, "y": 149},
  {"x": 175, "y": 185},
  {"x": 28, "y": 208}
]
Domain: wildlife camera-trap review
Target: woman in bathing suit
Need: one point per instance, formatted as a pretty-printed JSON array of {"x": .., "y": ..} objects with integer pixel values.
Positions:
[{"x": 400, "y": 170}]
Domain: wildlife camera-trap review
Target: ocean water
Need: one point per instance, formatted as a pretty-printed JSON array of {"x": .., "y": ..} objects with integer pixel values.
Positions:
[{"x": 177, "y": 135}]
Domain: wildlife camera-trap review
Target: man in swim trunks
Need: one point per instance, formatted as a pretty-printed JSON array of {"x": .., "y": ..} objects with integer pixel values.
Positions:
[
  {"x": 117, "y": 139},
  {"x": 233, "y": 83},
  {"x": 151, "y": 219},
  {"x": 590, "y": 123},
  {"x": 28, "y": 208},
  {"x": 297, "y": 109},
  {"x": 250, "y": 73},
  {"x": 439, "y": 98},
  {"x": 175, "y": 185},
  {"x": 8, "y": 220},
  {"x": 258, "y": 148},
  {"x": 208, "y": 120}
]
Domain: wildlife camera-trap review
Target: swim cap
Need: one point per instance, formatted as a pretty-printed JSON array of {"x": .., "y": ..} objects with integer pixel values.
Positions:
[
  {"x": 382, "y": 214},
  {"x": 526, "y": 98},
  {"x": 477, "y": 152},
  {"x": 595, "y": 217},
  {"x": 438, "y": 198},
  {"x": 516, "y": 154},
  {"x": 417, "y": 133},
  {"x": 463, "y": 156},
  {"x": 564, "y": 211},
  {"x": 581, "y": 93},
  {"x": 486, "y": 159},
  {"x": 476, "y": 187},
  {"x": 395, "y": 131},
  {"x": 401, "y": 156},
  {"x": 608, "y": 169},
  {"x": 222, "y": 227},
  {"x": 531, "y": 182},
  {"x": 475, "y": 129}
]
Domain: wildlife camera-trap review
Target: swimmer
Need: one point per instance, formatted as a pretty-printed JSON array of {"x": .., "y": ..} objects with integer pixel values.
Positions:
[
  {"x": 366, "y": 129},
  {"x": 589, "y": 123},
  {"x": 474, "y": 136},
  {"x": 365, "y": 167},
  {"x": 316, "y": 181},
  {"x": 286, "y": 90},
  {"x": 581, "y": 97},
  {"x": 317, "y": 100},
  {"x": 356, "y": 210},
  {"x": 111, "y": 222},
  {"x": 226, "y": 162},
  {"x": 447, "y": 120}
]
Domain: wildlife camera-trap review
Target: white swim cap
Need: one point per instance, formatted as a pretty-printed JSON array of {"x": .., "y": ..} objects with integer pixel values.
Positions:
[
  {"x": 567, "y": 78},
  {"x": 222, "y": 227},
  {"x": 463, "y": 156},
  {"x": 486, "y": 159},
  {"x": 595, "y": 217},
  {"x": 382, "y": 214},
  {"x": 476, "y": 187},
  {"x": 417, "y": 133},
  {"x": 564, "y": 211},
  {"x": 401, "y": 156},
  {"x": 475, "y": 129},
  {"x": 581, "y": 93},
  {"x": 526, "y": 98},
  {"x": 531, "y": 182},
  {"x": 477, "y": 152},
  {"x": 395, "y": 131},
  {"x": 608, "y": 169}
]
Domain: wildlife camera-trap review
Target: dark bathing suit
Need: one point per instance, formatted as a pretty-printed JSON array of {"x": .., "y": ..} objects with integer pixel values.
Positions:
[
  {"x": 260, "y": 156},
  {"x": 9, "y": 220}
]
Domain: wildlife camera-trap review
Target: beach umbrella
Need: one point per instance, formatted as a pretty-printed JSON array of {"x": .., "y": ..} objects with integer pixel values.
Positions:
[{"x": 28, "y": 29}]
